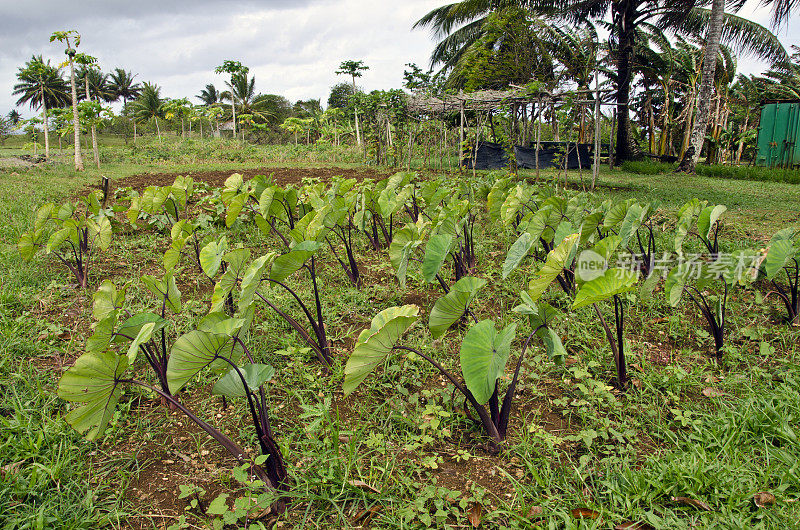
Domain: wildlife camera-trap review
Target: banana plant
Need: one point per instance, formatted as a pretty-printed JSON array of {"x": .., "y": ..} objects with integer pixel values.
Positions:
[
  {"x": 484, "y": 354},
  {"x": 707, "y": 284},
  {"x": 81, "y": 230},
  {"x": 783, "y": 253}
]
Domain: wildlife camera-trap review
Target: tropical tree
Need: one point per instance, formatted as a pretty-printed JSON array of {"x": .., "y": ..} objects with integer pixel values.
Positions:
[
  {"x": 42, "y": 87},
  {"x": 340, "y": 95},
  {"x": 122, "y": 85},
  {"x": 75, "y": 37},
  {"x": 209, "y": 95},
  {"x": 14, "y": 116},
  {"x": 353, "y": 69},
  {"x": 235, "y": 70},
  {"x": 460, "y": 24},
  {"x": 95, "y": 89},
  {"x": 149, "y": 105}
]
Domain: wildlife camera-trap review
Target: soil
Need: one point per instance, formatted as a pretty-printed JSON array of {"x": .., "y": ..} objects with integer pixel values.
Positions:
[{"x": 281, "y": 175}]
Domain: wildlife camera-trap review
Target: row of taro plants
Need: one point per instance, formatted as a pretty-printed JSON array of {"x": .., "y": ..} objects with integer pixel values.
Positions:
[{"x": 599, "y": 254}]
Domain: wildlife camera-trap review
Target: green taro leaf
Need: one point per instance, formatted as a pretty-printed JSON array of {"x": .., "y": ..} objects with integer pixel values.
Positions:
[
  {"x": 521, "y": 247},
  {"x": 289, "y": 263},
  {"x": 165, "y": 289},
  {"x": 436, "y": 252},
  {"x": 100, "y": 232},
  {"x": 132, "y": 326},
  {"x": 28, "y": 244},
  {"x": 553, "y": 265},
  {"x": 553, "y": 345},
  {"x": 778, "y": 256},
  {"x": 375, "y": 343},
  {"x": 106, "y": 300},
  {"x": 211, "y": 256},
  {"x": 144, "y": 335},
  {"x": 613, "y": 281},
  {"x": 193, "y": 352},
  {"x": 675, "y": 283},
  {"x": 484, "y": 354},
  {"x": 255, "y": 375},
  {"x": 94, "y": 381},
  {"x": 452, "y": 306},
  {"x": 707, "y": 218}
]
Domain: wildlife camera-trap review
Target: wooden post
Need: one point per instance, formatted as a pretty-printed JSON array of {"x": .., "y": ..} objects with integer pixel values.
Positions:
[
  {"x": 461, "y": 140},
  {"x": 539, "y": 134},
  {"x": 105, "y": 185},
  {"x": 596, "y": 161},
  {"x": 611, "y": 140}
]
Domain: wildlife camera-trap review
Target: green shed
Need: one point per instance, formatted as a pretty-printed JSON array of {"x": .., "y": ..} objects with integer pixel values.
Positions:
[{"x": 778, "y": 133}]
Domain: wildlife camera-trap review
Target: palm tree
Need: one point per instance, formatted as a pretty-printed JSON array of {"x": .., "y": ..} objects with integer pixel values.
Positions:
[
  {"x": 14, "y": 117},
  {"x": 149, "y": 105},
  {"x": 459, "y": 24},
  {"x": 41, "y": 86},
  {"x": 122, "y": 85},
  {"x": 209, "y": 95}
]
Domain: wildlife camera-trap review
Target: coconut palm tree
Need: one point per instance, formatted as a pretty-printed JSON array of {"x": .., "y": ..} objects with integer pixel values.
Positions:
[
  {"x": 122, "y": 84},
  {"x": 42, "y": 87},
  {"x": 149, "y": 105},
  {"x": 209, "y": 95},
  {"x": 461, "y": 23},
  {"x": 14, "y": 117}
]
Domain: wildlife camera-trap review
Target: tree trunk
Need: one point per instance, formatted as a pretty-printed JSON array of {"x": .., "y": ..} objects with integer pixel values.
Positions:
[
  {"x": 76, "y": 122},
  {"x": 703, "y": 102},
  {"x": 358, "y": 131},
  {"x": 46, "y": 128},
  {"x": 95, "y": 151},
  {"x": 626, "y": 19},
  {"x": 741, "y": 141},
  {"x": 233, "y": 113},
  {"x": 158, "y": 130}
]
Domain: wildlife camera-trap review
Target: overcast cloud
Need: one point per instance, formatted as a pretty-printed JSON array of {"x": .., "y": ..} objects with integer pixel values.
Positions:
[{"x": 292, "y": 47}]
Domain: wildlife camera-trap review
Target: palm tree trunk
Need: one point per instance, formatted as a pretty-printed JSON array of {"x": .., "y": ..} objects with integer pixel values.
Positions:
[
  {"x": 46, "y": 128},
  {"x": 158, "y": 130},
  {"x": 703, "y": 102},
  {"x": 76, "y": 122},
  {"x": 626, "y": 25},
  {"x": 233, "y": 111},
  {"x": 358, "y": 130}
]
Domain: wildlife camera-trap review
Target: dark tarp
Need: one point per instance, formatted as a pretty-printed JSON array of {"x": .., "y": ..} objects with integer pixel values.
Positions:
[{"x": 493, "y": 156}]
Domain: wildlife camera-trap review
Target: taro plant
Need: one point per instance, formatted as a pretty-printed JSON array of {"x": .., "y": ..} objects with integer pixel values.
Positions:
[
  {"x": 783, "y": 253},
  {"x": 633, "y": 221},
  {"x": 705, "y": 219},
  {"x": 161, "y": 206},
  {"x": 708, "y": 285},
  {"x": 95, "y": 383},
  {"x": 81, "y": 229},
  {"x": 484, "y": 354}
]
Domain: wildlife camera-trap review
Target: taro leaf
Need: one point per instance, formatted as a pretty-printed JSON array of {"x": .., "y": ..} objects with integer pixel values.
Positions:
[
  {"x": 165, "y": 289},
  {"x": 537, "y": 224},
  {"x": 675, "y": 283},
  {"x": 235, "y": 206},
  {"x": 404, "y": 243},
  {"x": 28, "y": 244},
  {"x": 235, "y": 270},
  {"x": 100, "y": 339},
  {"x": 252, "y": 279},
  {"x": 436, "y": 252},
  {"x": 452, "y": 306},
  {"x": 289, "y": 263},
  {"x": 255, "y": 375},
  {"x": 221, "y": 324},
  {"x": 133, "y": 325},
  {"x": 144, "y": 335},
  {"x": 44, "y": 213},
  {"x": 563, "y": 229},
  {"x": 211, "y": 256},
  {"x": 685, "y": 220},
  {"x": 106, "y": 300},
  {"x": 484, "y": 353},
  {"x": 779, "y": 253},
  {"x": 93, "y": 381},
  {"x": 554, "y": 264},
  {"x": 194, "y": 351},
  {"x": 589, "y": 226},
  {"x": 100, "y": 232},
  {"x": 616, "y": 214},
  {"x": 521, "y": 247},
  {"x": 233, "y": 185},
  {"x": 553, "y": 345},
  {"x": 375, "y": 343},
  {"x": 60, "y": 236},
  {"x": 700, "y": 505},
  {"x": 631, "y": 223},
  {"x": 539, "y": 313},
  {"x": 708, "y": 216},
  {"x": 614, "y": 281}
]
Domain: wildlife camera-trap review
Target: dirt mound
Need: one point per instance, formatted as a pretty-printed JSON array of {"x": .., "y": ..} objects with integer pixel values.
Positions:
[{"x": 281, "y": 175}]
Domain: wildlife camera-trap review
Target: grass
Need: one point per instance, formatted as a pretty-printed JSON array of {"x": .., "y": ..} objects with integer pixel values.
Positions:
[{"x": 574, "y": 443}]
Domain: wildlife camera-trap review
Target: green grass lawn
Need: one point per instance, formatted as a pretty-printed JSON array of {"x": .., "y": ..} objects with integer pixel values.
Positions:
[{"x": 575, "y": 443}]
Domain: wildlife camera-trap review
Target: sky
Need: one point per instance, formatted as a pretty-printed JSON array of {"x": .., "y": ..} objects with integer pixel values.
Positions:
[{"x": 292, "y": 47}]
